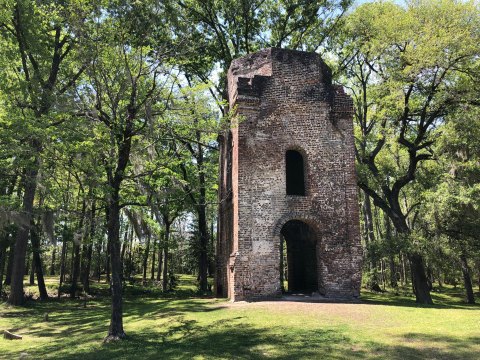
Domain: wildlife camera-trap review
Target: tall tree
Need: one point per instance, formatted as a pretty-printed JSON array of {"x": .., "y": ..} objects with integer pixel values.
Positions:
[
  {"x": 196, "y": 150},
  {"x": 38, "y": 40},
  {"x": 404, "y": 84},
  {"x": 214, "y": 32},
  {"x": 126, "y": 92},
  {"x": 453, "y": 204}
]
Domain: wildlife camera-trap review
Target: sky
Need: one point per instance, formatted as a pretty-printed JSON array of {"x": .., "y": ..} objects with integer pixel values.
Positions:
[{"x": 360, "y": 2}]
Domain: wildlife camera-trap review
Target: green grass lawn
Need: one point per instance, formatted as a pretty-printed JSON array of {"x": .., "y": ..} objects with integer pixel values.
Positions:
[{"x": 182, "y": 326}]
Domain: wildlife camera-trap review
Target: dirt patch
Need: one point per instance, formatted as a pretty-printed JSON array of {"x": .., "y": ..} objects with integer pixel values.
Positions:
[{"x": 355, "y": 312}]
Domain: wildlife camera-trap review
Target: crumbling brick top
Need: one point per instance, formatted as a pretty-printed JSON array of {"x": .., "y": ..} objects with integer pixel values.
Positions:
[{"x": 247, "y": 74}]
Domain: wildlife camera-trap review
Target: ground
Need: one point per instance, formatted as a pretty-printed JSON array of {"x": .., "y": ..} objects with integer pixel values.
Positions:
[{"x": 184, "y": 326}]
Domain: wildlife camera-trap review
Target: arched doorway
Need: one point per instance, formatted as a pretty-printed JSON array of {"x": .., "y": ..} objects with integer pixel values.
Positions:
[{"x": 298, "y": 263}]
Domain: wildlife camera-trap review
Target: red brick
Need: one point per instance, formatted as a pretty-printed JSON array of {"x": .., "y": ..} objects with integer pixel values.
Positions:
[{"x": 285, "y": 100}]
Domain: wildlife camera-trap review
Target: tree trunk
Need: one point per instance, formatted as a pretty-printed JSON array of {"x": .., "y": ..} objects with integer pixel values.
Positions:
[
  {"x": 466, "y": 279},
  {"x": 145, "y": 258},
  {"x": 8, "y": 274},
  {"x": 130, "y": 254},
  {"x": 62, "y": 263},
  {"x": 87, "y": 257},
  {"x": 31, "y": 281},
  {"x": 420, "y": 283},
  {"x": 160, "y": 260},
  {"x": 76, "y": 252},
  {"x": 124, "y": 248},
  {"x": 113, "y": 226},
  {"x": 65, "y": 263},
  {"x": 6, "y": 243},
  {"x": 391, "y": 258},
  {"x": 369, "y": 236},
  {"x": 88, "y": 265},
  {"x": 75, "y": 269},
  {"x": 165, "y": 268},
  {"x": 368, "y": 218},
  {"x": 384, "y": 275},
  {"x": 202, "y": 227},
  {"x": 3, "y": 255},
  {"x": 152, "y": 272},
  {"x": 37, "y": 262},
  {"x": 439, "y": 278},
  {"x": 72, "y": 257},
  {"x": 115, "y": 331},
  {"x": 419, "y": 279},
  {"x": 107, "y": 262},
  {"x": 165, "y": 256},
  {"x": 393, "y": 272},
  {"x": 30, "y": 182},
  {"x": 211, "y": 260},
  {"x": 83, "y": 259},
  {"x": 429, "y": 278},
  {"x": 478, "y": 272},
  {"x": 403, "y": 270},
  {"x": 99, "y": 260},
  {"x": 202, "y": 219},
  {"x": 52, "y": 266}
]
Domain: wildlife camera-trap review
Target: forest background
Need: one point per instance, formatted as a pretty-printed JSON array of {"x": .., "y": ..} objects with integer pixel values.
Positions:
[{"x": 111, "y": 114}]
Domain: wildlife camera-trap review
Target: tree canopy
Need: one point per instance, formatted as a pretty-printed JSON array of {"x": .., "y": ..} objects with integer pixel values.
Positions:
[{"x": 110, "y": 114}]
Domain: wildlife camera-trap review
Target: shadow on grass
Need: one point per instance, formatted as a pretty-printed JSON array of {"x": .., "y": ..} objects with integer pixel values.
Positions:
[
  {"x": 152, "y": 308},
  {"x": 69, "y": 322},
  {"x": 448, "y": 299},
  {"x": 433, "y": 347},
  {"x": 178, "y": 337},
  {"x": 187, "y": 340},
  {"x": 236, "y": 340},
  {"x": 75, "y": 332}
]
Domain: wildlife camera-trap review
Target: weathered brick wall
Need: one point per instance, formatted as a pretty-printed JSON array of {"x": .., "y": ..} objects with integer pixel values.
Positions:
[{"x": 284, "y": 100}]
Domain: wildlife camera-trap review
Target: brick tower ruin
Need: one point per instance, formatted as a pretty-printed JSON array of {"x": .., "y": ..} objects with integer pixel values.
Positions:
[{"x": 287, "y": 179}]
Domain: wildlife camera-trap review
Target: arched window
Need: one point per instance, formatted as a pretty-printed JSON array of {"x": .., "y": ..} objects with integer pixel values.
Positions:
[{"x": 295, "y": 173}]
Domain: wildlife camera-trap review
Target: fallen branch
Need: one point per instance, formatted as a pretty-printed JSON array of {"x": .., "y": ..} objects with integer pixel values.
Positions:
[{"x": 10, "y": 336}]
